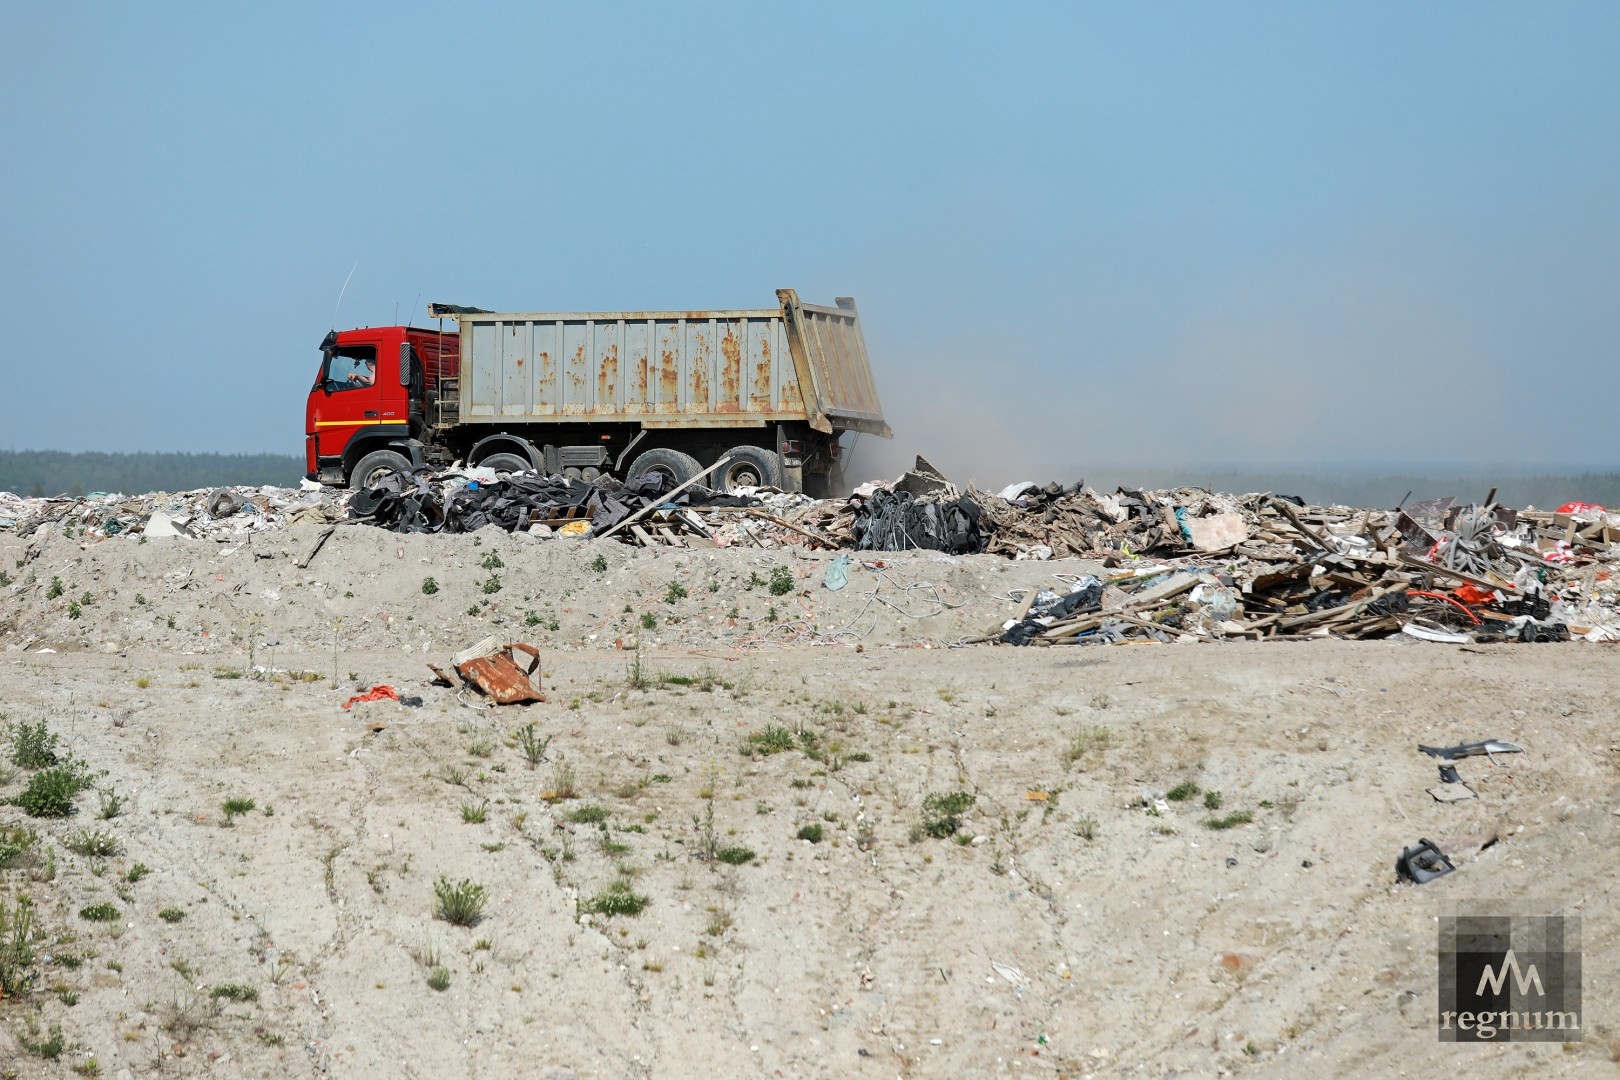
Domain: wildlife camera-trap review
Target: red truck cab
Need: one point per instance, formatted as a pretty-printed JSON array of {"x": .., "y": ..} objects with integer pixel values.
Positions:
[{"x": 368, "y": 408}]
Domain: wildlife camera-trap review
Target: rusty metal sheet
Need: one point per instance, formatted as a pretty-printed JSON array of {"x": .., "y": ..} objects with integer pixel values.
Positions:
[
  {"x": 834, "y": 374},
  {"x": 724, "y": 368},
  {"x": 500, "y": 677}
]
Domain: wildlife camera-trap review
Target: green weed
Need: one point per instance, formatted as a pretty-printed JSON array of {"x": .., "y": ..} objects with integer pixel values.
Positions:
[
  {"x": 617, "y": 899},
  {"x": 461, "y": 904},
  {"x": 95, "y": 844},
  {"x": 942, "y": 813},
  {"x": 1229, "y": 821},
  {"x": 33, "y": 746}
]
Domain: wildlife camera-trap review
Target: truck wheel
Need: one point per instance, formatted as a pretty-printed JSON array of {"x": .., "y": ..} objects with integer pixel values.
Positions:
[
  {"x": 376, "y": 465},
  {"x": 506, "y": 464},
  {"x": 677, "y": 466},
  {"x": 751, "y": 466}
]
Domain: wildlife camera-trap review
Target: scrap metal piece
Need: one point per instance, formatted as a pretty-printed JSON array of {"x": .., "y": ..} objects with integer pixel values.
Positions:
[
  {"x": 1422, "y": 862},
  {"x": 1472, "y": 546},
  {"x": 1477, "y": 749},
  {"x": 496, "y": 672}
]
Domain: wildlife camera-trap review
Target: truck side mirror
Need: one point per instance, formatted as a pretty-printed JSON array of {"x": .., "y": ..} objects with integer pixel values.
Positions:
[{"x": 405, "y": 364}]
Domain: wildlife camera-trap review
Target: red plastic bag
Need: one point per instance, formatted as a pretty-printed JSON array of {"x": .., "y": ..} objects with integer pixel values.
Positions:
[
  {"x": 1581, "y": 508},
  {"x": 376, "y": 693}
]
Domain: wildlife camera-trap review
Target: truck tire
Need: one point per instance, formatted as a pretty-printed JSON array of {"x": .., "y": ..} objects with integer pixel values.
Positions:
[
  {"x": 506, "y": 464},
  {"x": 750, "y": 466},
  {"x": 677, "y": 466},
  {"x": 375, "y": 465}
]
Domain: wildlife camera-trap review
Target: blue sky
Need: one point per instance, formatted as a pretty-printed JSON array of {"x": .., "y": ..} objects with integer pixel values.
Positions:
[{"x": 1250, "y": 233}]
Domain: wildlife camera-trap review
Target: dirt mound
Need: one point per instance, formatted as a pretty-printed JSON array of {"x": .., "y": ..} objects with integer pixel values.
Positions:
[{"x": 816, "y": 844}]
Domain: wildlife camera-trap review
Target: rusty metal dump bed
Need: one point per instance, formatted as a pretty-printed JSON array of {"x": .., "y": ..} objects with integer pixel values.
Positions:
[{"x": 671, "y": 369}]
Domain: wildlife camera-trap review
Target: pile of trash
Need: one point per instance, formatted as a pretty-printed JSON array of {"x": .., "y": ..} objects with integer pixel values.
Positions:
[
  {"x": 1178, "y": 565},
  {"x": 1266, "y": 567},
  {"x": 222, "y": 514},
  {"x": 541, "y": 506}
]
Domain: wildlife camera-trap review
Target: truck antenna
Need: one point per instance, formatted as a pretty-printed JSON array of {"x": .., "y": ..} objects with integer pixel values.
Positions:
[{"x": 343, "y": 290}]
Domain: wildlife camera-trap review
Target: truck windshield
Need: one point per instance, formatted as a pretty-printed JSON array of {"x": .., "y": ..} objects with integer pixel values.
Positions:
[{"x": 351, "y": 368}]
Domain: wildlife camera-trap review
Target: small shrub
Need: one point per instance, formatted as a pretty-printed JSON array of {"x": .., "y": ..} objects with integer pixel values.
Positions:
[
  {"x": 235, "y": 808},
  {"x": 635, "y": 672},
  {"x": 676, "y": 591},
  {"x": 234, "y": 992},
  {"x": 492, "y": 561},
  {"x": 589, "y": 814},
  {"x": 1212, "y": 800},
  {"x": 171, "y": 914},
  {"x": 112, "y": 804},
  {"x": 474, "y": 815},
  {"x": 16, "y": 946},
  {"x": 1182, "y": 791},
  {"x": 461, "y": 904},
  {"x": 142, "y": 683},
  {"x": 781, "y": 581},
  {"x": 942, "y": 814},
  {"x": 532, "y": 744},
  {"x": 74, "y": 610},
  {"x": 50, "y": 792},
  {"x": 811, "y": 833},
  {"x": 50, "y": 1049},
  {"x": 95, "y": 844},
  {"x": 17, "y": 845},
  {"x": 1086, "y": 828},
  {"x": 102, "y": 912},
  {"x": 532, "y": 618},
  {"x": 439, "y": 979},
  {"x": 617, "y": 899},
  {"x": 649, "y": 621},
  {"x": 735, "y": 856},
  {"x": 599, "y": 564},
  {"x": 33, "y": 746},
  {"x": 492, "y": 585},
  {"x": 55, "y": 590},
  {"x": 136, "y": 872},
  {"x": 429, "y": 586},
  {"x": 564, "y": 783}
]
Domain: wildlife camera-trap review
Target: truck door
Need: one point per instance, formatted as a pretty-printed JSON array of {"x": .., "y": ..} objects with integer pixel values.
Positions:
[{"x": 347, "y": 398}]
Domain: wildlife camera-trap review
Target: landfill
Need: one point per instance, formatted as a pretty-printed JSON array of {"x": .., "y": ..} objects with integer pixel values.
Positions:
[{"x": 1179, "y": 565}]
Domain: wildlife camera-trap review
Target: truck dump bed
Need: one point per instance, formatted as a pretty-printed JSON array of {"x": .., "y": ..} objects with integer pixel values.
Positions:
[{"x": 671, "y": 369}]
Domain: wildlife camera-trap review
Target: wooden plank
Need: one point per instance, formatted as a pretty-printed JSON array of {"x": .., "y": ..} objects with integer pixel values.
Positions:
[
  {"x": 1484, "y": 583},
  {"x": 639, "y": 514},
  {"x": 1293, "y": 519}
]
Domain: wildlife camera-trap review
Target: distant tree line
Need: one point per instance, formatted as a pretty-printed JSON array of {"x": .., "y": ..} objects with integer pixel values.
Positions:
[{"x": 52, "y": 472}]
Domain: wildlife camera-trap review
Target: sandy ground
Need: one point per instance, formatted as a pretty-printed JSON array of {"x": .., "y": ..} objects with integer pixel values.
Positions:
[{"x": 1065, "y": 930}]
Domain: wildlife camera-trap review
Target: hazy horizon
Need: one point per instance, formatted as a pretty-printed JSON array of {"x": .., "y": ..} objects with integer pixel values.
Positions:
[{"x": 1378, "y": 235}]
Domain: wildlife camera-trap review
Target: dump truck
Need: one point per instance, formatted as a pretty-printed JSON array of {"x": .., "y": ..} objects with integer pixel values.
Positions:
[{"x": 585, "y": 394}]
